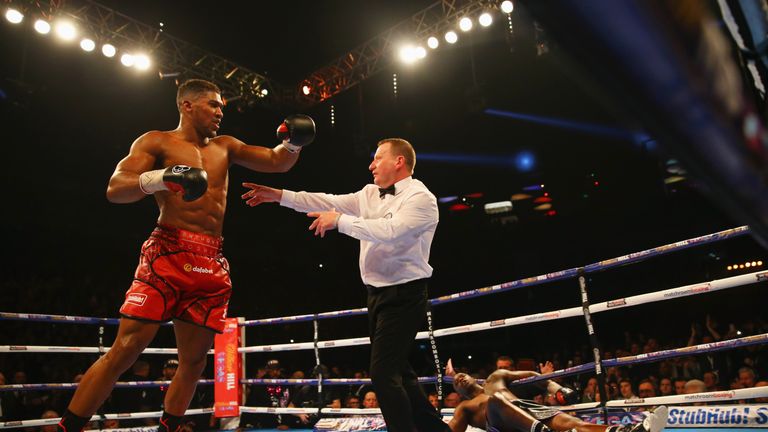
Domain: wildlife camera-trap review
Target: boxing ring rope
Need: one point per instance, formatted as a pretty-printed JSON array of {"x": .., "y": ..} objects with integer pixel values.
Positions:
[
  {"x": 668, "y": 294},
  {"x": 684, "y": 291}
]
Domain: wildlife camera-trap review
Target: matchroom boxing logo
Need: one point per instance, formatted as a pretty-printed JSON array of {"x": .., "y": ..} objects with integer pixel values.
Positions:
[
  {"x": 136, "y": 298},
  {"x": 188, "y": 268}
]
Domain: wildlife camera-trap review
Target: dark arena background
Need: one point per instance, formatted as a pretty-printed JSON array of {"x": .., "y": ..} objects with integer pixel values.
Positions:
[{"x": 562, "y": 134}]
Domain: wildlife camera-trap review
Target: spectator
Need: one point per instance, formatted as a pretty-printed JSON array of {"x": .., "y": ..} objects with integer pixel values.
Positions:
[
  {"x": 505, "y": 362},
  {"x": 747, "y": 377},
  {"x": 433, "y": 400},
  {"x": 625, "y": 389},
  {"x": 711, "y": 381},
  {"x": 49, "y": 414},
  {"x": 665, "y": 387},
  {"x": 695, "y": 386},
  {"x": 370, "y": 401},
  {"x": 352, "y": 401},
  {"x": 590, "y": 391},
  {"x": 452, "y": 400},
  {"x": 646, "y": 389},
  {"x": 680, "y": 385}
]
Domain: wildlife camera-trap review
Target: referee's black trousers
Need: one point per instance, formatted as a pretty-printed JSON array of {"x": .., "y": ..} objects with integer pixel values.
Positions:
[{"x": 395, "y": 314}]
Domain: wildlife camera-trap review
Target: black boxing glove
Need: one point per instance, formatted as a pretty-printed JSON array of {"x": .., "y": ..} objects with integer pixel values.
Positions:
[
  {"x": 566, "y": 396},
  {"x": 296, "y": 131},
  {"x": 192, "y": 182}
]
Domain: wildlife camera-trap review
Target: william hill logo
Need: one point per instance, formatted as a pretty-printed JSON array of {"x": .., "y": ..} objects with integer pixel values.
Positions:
[{"x": 188, "y": 268}]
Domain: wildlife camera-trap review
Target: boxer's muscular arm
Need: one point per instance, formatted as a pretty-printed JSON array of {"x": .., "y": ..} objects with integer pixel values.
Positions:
[
  {"x": 262, "y": 159},
  {"x": 460, "y": 419},
  {"x": 124, "y": 184},
  {"x": 502, "y": 378}
]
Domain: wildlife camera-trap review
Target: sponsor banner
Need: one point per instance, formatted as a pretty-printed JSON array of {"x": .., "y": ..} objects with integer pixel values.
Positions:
[
  {"x": 614, "y": 418},
  {"x": 365, "y": 423},
  {"x": 226, "y": 371},
  {"x": 723, "y": 416}
]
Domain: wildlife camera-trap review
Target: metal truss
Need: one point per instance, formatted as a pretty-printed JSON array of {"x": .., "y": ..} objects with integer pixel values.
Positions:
[
  {"x": 175, "y": 57},
  {"x": 172, "y": 56},
  {"x": 378, "y": 52}
]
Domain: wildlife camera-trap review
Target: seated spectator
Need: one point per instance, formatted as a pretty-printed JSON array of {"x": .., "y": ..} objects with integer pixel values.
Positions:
[
  {"x": 747, "y": 377},
  {"x": 646, "y": 389},
  {"x": 370, "y": 400},
  {"x": 665, "y": 387},
  {"x": 695, "y": 386},
  {"x": 432, "y": 398},
  {"x": 49, "y": 414},
  {"x": 625, "y": 389},
  {"x": 451, "y": 400},
  {"x": 505, "y": 362},
  {"x": 680, "y": 385},
  {"x": 352, "y": 401},
  {"x": 590, "y": 391},
  {"x": 711, "y": 382}
]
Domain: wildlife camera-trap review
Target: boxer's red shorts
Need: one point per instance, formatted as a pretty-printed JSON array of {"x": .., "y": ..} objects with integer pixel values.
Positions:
[{"x": 181, "y": 275}]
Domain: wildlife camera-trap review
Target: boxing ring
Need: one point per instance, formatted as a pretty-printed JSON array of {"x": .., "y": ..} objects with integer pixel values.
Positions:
[{"x": 719, "y": 416}]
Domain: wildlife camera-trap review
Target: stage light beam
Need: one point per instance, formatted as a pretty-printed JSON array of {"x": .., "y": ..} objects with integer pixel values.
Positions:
[
  {"x": 142, "y": 62},
  {"x": 465, "y": 24},
  {"x": 14, "y": 16},
  {"x": 65, "y": 30},
  {"x": 87, "y": 45},
  {"x": 485, "y": 19},
  {"x": 108, "y": 50},
  {"x": 42, "y": 26},
  {"x": 127, "y": 60}
]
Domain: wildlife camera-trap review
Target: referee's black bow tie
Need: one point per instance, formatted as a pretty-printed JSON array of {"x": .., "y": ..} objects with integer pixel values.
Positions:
[{"x": 389, "y": 190}]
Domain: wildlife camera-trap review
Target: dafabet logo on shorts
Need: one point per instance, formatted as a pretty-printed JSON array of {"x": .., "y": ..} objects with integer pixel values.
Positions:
[
  {"x": 188, "y": 268},
  {"x": 136, "y": 298}
]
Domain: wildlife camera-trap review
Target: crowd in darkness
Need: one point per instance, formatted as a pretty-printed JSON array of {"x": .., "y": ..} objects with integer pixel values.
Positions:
[{"x": 723, "y": 370}]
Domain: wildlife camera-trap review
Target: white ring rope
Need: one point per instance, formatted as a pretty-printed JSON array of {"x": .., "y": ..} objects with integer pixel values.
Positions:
[
  {"x": 669, "y": 294},
  {"x": 729, "y": 395},
  {"x": 121, "y": 416},
  {"x": 79, "y": 350}
]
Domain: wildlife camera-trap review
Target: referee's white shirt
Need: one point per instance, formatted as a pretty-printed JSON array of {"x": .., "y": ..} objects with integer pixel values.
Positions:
[{"x": 395, "y": 231}]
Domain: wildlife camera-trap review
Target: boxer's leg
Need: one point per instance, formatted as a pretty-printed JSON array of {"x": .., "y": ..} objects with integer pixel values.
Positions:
[
  {"x": 97, "y": 383},
  {"x": 193, "y": 342}
]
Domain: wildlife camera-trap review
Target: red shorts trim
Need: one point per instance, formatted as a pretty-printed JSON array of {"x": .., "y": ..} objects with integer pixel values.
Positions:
[{"x": 181, "y": 274}]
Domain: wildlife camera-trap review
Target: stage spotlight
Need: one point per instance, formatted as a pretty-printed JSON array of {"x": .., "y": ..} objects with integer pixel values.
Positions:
[
  {"x": 14, "y": 16},
  {"x": 451, "y": 37},
  {"x": 485, "y": 19},
  {"x": 306, "y": 89},
  {"x": 420, "y": 52},
  {"x": 87, "y": 45},
  {"x": 142, "y": 62},
  {"x": 507, "y": 6},
  {"x": 42, "y": 26},
  {"x": 409, "y": 54},
  {"x": 127, "y": 60},
  {"x": 264, "y": 92},
  {"x": 465, "y": 24},
  {"x": 108, "y": 50},
  {"x": 65, "y": 30},
  {"x": 433, "y": 42}
]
